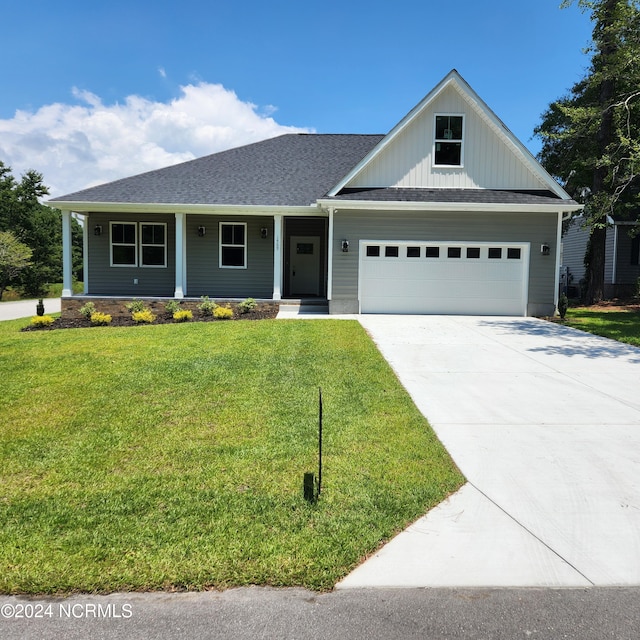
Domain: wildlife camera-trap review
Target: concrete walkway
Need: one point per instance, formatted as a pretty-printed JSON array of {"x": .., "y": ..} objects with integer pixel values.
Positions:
[
  {"x": 544, "y": 422},
  {"x": 27, "y": 308}
]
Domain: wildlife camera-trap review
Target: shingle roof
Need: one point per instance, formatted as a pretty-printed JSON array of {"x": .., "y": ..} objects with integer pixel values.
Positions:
[
  {"x": 480, "y": 196},
  {"x": 290, "y": 170}
]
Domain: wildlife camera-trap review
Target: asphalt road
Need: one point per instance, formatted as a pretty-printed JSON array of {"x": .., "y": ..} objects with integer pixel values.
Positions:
[{"x": 296, "y": 614}]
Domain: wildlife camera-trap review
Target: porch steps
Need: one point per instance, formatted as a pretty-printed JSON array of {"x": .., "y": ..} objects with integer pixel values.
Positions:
[{"x": 303, "y": 309}]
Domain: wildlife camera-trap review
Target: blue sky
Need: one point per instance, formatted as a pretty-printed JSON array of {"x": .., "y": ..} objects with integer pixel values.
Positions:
[{"x": 93, "y": 91}]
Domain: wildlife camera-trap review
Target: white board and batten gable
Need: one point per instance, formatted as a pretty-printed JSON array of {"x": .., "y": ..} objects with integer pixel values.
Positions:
[{"x": 491, "y": 156}]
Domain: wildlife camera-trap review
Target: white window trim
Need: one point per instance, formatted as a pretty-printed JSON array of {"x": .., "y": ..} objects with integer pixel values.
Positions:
[
  {"x": 142, "y": 244},
  {"x": 436, "y": 140},
  {"x": 221, "y": 244},
  {"x": 122, "y": 244}
]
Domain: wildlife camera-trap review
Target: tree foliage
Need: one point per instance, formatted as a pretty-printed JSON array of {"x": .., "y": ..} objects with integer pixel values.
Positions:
[
  {"x": 591, "y": 136},
  {"x": 14, "y": 258},
  {"x": 37, "y": 226}
]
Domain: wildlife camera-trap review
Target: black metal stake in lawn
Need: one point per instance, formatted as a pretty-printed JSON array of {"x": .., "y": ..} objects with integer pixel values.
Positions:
[{"x": 311, "y": 489}]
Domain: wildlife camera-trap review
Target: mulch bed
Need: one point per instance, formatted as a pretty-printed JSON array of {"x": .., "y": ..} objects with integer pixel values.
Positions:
[
  {"x": 616, "y": 305},
  {"x": 264, "y": 311}
]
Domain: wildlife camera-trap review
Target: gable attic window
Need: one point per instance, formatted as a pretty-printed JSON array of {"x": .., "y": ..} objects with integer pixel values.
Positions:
[
  {"x": 233, "y": 245},
  {"x": 448, "y": 140}
]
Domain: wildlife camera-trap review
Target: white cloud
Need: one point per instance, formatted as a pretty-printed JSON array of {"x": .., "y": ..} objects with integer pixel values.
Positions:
[{"x": 81, "y": 145}]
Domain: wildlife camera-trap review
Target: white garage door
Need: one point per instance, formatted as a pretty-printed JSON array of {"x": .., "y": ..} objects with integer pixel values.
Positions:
[{"x": 469, "y": 278}]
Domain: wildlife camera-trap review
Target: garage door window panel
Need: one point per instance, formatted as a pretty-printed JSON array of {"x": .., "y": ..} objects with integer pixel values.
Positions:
[
  {"x": 514, "y": 253},
  {"x": 373, "y": 251},
  {"x": 473, "y": 252},
  {"x": 432, "y": 252}
]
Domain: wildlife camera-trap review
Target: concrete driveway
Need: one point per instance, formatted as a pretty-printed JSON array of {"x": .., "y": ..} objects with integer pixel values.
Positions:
[
  {"x": 27, "y": 308},
  {"x": 544, "y": 422}
]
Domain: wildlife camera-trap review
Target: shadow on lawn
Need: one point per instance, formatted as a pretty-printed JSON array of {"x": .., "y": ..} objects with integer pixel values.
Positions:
[{"x": 567, "y": 341}]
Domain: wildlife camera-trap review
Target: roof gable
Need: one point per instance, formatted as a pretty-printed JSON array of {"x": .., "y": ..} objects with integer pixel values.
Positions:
[{"x": 493, "y": 157}]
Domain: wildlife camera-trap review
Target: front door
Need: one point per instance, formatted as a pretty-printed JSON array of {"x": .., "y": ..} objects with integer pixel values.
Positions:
[{"x": 304, "y": 265}]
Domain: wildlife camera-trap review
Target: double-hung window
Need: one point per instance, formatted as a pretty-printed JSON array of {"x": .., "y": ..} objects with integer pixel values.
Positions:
[
  {"x": 153, "y": 244},
  {"x": 138, "y": 245},
  {"x": 124, "y": 244},
  {"x": 233, "y": 245},
  {"x": 449, "y": 131}
]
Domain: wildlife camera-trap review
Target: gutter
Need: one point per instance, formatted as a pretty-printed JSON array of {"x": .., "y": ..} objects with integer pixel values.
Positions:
[
  {"x": 368, "y": 205},
  {"x": 163, "y": 207}
]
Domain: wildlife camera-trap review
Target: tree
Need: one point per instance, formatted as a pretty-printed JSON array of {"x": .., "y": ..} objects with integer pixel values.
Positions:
[
  {"x": 14, "y": 257},
  {"x": 591, "y": 137},
  {"x": 37, "y": 226}
]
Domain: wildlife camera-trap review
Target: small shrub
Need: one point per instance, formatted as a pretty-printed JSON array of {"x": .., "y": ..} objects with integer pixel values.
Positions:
[
  {"x": 206, "y": 306},
  {"x": 223, "y": 313},
  {"x": 87, "y": 310},
  {"x": 183, "y": 315},
  {"x": 563, "y": 304},
  {"x": 41, "y": 321},
  {"x": 247, "y": 305},
  {"x": 100, "y": 319},
  {"x": 136, "y": 306},
  {"x": 143, "y": 317},
  {"x": 172, "y": 307}
]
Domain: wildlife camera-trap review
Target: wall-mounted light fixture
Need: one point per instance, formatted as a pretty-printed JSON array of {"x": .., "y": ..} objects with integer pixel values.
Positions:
[
  {"x": 97, "y": 230},
  {"x": 264, "y": 233},
  {"x": 202, "y": 231},
  {"x": 345, "y": 246},
  {"x": 545, "y": 249}
]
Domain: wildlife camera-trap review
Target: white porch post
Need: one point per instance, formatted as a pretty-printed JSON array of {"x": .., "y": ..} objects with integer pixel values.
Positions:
[
  {"x": 330, "y": 256},
  {"x": 181, "y": 239},
  {"x": 67, "y": 265},
  {"x": 85, "y": 255},
  {"x": 277, "y": 257}
]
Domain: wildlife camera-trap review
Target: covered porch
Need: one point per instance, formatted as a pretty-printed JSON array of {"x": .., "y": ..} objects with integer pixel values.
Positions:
[{"x": 187, "y": 254}]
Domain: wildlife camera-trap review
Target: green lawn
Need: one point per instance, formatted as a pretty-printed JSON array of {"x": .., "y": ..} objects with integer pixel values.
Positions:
[
  {"x": 623, "y": 326},
  {"x": 172, "y": 456},
  {"x": 53, "y": 291}
]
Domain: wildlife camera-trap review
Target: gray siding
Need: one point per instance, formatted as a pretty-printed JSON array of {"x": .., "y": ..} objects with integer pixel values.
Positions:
[
  {"x": 107, "y": 280},
  {"x": 574, "y": 246},
  {"x": 204, "y": 274},
  {"x": 609, "y": 252},
  {"x": 462, "y": 227},
  {"x": 627, "y": 273}
]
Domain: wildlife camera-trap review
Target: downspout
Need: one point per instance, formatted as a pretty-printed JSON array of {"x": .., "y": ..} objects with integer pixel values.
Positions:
[{"x": 556, "y": 294}]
